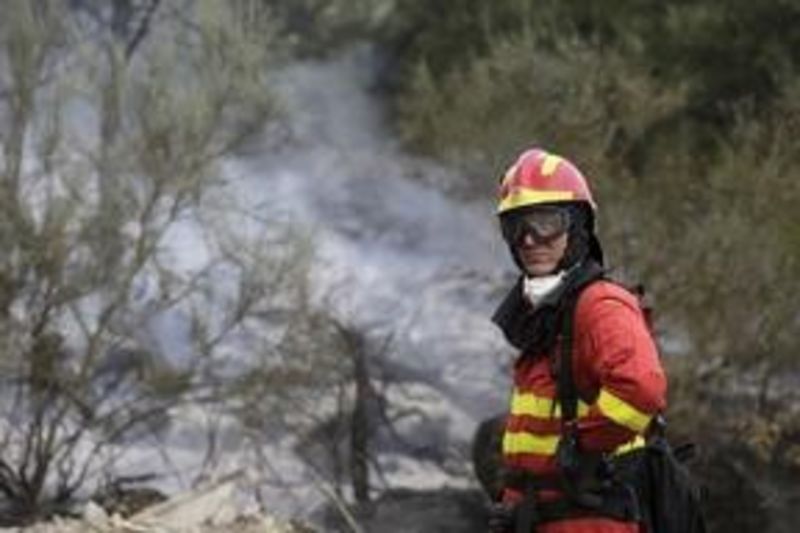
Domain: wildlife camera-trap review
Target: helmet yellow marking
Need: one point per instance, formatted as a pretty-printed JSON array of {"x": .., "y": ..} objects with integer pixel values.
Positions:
[
  {"x": 550, "y": 164},
  {"x": 523, "y": 197}
]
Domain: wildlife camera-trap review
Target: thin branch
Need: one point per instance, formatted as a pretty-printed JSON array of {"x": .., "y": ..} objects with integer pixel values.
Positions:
[
  {"x": 341, "y": 506},
  {"x": 142, "y": 30}
]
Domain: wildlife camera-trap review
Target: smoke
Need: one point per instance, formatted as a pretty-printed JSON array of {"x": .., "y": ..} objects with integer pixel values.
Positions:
[
  {"x": 394, "y": 255},
  {"x": 407, "y": 257}
]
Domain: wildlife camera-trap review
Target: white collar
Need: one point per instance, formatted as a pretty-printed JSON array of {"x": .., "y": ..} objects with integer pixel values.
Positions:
[{"x": 535, "y": 289}]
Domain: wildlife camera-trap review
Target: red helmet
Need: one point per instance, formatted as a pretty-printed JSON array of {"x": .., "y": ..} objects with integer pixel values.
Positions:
[{"x": 539, "y": 177}]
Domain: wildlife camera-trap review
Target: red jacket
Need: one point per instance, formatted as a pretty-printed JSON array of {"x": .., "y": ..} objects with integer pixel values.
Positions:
[{"x": 617, "y": 371}]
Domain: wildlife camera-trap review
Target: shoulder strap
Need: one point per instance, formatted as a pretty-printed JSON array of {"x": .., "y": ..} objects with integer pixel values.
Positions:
[
  {"x": 566, "y": 391},
  {"x": 614, "y": 500},
  {"x": 567, "y": 394}
]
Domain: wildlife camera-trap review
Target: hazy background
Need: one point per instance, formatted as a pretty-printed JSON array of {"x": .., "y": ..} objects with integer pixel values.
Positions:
[{"x": 259, "y": 235}]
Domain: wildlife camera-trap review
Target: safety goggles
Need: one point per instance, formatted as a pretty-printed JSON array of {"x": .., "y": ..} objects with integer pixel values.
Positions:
[{"x": 544, "y": 224}]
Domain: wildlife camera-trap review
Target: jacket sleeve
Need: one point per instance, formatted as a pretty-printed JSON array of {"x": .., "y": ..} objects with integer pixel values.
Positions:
[{"x": 620, "y": 360}]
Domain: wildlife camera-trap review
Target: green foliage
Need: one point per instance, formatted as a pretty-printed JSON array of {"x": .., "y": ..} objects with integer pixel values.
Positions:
[
  {"x": 571, "y": 95},
  {"x": 726, "y": 254},
  {"x": 315, "y": 27},
  {"x": 446, "y": 35},
  {"x": 731, "y": 50},
  {"x": 724, "y": 58}
]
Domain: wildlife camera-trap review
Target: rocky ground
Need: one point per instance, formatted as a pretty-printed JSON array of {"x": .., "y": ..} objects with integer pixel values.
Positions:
[
  {"x": 213, "y": 509},
  {"x": 208, "y": 509},
  {"x": 217, "y": 506}
]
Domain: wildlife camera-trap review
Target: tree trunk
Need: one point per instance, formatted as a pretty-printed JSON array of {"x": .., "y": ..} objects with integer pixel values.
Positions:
[{"x": 359, "y": 437}]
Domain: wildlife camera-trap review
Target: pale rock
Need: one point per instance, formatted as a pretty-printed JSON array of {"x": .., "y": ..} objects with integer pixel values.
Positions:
[
  {"x": 95, "y": 515},
  {"x": 207, "y": 505}
]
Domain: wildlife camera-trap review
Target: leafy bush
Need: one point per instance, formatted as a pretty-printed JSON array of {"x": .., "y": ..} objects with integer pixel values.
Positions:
[{"x": 573, "y": 96}]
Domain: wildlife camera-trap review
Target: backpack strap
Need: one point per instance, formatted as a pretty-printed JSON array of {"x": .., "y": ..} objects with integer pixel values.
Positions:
[
  {"x": 614, "y": 500},
  {"x": 567, "y": 392}
]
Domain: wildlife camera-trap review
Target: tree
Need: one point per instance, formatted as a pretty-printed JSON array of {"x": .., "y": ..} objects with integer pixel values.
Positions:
[{"x": 109, "y": 151}]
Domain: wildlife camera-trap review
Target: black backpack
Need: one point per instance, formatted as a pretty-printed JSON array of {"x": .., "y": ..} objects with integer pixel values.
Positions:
[{"x": 668, "y": 499}]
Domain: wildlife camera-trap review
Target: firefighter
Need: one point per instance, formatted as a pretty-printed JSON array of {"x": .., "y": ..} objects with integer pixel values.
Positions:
[{"x": 547, "y": 218}]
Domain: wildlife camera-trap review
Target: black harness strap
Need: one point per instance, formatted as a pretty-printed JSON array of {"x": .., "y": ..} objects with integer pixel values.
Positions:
[
  {"x": 574, "y": 466},
  {"x": 567, "y": 392},
  {"x": 528, "y": 512},
  {"x": 607, "y": 496}
]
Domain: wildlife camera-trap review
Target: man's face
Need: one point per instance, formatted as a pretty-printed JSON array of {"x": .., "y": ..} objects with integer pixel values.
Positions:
[
  {"x": 539, "y": 237},
  {"x": 541, "y": 258}
]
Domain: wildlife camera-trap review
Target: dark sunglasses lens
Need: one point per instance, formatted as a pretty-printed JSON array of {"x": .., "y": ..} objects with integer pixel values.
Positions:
[{"x": 544, "y": 224}]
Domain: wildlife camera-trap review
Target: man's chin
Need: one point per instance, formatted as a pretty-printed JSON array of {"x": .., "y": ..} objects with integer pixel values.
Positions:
[{"x": 539, "y": 269}]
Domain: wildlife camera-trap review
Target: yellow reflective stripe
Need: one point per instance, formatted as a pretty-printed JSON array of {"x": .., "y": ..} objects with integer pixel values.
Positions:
[
  {"x": 528, "y": 443},
  {"x": 635, "y": 444},
  {"x": 523, "y": 197},
  {"x": 622, "y": 412},
  {"x": 539, "y": 406},
  {"x": 550, "y": 164}
]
